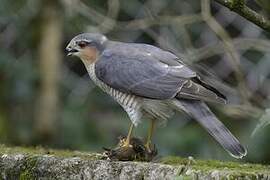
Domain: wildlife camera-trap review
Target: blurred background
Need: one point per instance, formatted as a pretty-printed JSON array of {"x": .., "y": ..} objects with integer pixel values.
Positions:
[{"x": 48, "y": 99}]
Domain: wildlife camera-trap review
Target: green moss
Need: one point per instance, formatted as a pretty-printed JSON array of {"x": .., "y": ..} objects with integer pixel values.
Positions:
[
  {"x": 26, "y": 175},
  {"x": 238, "y": 4},
  {"x": 183, "y": 177},
  {"x": 235, "y": 169},
  {"x": 207, "y": 165},
  {"x": 44, "y": 151},
  {"x": 30, "y": 160},
  {"x": 28, "y": 168}
]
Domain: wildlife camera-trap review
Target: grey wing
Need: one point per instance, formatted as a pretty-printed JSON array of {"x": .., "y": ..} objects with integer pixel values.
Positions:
[
  {"x": 163, "y": 56},
  {"x": 194, "y": 88},
  {"x": 149, "y": 71},
  {"x": 142, "y": 75}
]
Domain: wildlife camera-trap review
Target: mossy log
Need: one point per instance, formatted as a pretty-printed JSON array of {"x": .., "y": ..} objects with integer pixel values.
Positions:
[{"x": 39, "y": 163}]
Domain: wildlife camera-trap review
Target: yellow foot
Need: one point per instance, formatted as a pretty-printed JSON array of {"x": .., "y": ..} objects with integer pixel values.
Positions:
[
  {"x": 134, "y": 150},
  {"x": 148, "y": 147},
  {"x": 124, "y": 142},
  {"x": 150, "y": 151}
]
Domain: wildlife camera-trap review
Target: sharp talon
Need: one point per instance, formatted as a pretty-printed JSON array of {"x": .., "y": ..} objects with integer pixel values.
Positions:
[
  {"x": 127, "y": 144},
  {"x": 123, "y": 142},
  {"x": 134, "y": 150},
  {"x": 148, "y": 147}
]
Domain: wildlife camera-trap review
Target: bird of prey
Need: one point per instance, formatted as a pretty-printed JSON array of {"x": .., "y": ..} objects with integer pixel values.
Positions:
[{"x": 151, "y": 83}]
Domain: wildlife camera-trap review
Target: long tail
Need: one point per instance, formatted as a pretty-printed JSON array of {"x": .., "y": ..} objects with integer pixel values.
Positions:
[{"x": 200, "y": 111}]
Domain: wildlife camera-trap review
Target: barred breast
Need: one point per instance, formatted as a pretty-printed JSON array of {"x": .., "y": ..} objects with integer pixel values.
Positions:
[{"x": 130, "y": 103}]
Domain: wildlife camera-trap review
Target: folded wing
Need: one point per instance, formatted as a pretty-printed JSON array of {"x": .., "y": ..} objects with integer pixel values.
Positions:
[
  {"x": 148, "y": 71},
  {"x": 141, "y": 75}
]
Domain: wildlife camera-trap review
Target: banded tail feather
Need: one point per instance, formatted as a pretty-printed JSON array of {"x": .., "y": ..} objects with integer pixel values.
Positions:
[{"x": 203, "y": 115}]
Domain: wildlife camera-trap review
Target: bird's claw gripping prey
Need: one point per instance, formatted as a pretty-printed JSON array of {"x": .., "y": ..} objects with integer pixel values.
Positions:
[
  {"x": 151, "y": 83},
  {"x": 136, "y": 150}
]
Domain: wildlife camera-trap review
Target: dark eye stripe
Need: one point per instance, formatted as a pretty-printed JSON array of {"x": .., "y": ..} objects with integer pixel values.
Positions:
[{"x": 84, "y": 43}]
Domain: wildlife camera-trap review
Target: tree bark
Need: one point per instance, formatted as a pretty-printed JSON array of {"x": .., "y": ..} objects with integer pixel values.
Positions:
[{"x": 49, "y": 64}]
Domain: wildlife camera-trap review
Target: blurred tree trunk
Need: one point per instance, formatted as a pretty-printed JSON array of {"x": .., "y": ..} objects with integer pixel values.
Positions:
[{"x": 50, "y": 65}]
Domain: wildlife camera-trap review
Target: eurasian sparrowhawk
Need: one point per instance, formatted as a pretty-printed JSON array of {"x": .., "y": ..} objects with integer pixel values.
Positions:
[{"x": 151, "y": 83}]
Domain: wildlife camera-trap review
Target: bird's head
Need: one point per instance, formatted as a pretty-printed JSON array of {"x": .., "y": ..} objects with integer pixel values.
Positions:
[{"x": 87, "y": 46}]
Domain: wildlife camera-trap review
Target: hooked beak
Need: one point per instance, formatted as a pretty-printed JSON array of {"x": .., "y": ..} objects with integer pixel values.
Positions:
[{"x": 71, "y": 51}]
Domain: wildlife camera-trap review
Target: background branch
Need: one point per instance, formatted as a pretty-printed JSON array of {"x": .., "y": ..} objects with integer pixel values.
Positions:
[
  {"x": 240, "y": 8},
  {"x": 233, "y": 56}
]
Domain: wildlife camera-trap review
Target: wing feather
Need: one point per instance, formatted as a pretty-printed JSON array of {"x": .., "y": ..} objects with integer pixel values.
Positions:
[
  {"x": 140, "y": 74},
  {"x": 151, "y": 72},
  {"x": 192, "y": 90}
]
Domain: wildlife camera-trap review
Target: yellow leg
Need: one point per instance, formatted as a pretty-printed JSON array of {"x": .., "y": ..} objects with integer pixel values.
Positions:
[
  {"x": 127, "y": 141},
  {"x": 150, "y": 135}
]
